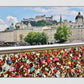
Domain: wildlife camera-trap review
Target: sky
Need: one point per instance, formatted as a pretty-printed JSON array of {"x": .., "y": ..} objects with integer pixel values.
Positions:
[{"x": 10, "y": 15}]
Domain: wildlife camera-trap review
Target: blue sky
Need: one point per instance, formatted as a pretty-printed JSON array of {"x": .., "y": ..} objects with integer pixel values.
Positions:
[{"x": 16, "y": 14}]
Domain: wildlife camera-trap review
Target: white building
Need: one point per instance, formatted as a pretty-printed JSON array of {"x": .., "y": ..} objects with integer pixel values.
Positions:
[
  {"x": 77, "y": 28},
  {"x": 79, "y": 22}
]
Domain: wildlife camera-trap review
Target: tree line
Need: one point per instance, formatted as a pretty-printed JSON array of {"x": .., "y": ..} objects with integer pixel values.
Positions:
[
  {"x": 62, "y": 34},
  {"x": 43, "y": 23}
]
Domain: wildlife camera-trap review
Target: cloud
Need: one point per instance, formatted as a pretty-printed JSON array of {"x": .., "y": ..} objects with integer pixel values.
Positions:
[
  {"x": 73, "y": 13},
  {"x": 42, "y": 10},
  {"x": 52, "y": 10},
  {"x": 78, "y": 8},
  {"x": 3, "y": 25},
  {"x": 11, "y": 19},
  {"x": 58, "y": 17},
  {"x": 1, "y": 21},
  {"x": 57, "y": 11},
  {"x": 7, "y": 23}
]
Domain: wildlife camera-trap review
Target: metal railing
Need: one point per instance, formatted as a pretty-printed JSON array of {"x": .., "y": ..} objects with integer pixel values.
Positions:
[{"x": 7, "y": 50}]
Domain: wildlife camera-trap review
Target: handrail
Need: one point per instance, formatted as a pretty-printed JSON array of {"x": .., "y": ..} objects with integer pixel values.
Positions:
[{"x": 4, "y": 50}]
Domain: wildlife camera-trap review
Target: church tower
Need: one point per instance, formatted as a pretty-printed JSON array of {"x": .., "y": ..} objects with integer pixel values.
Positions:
[
  {"x": 60, "y": 20},
  {"x": 79, "y": 18}
]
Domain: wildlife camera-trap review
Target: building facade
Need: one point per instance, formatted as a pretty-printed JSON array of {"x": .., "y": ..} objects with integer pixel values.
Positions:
[
  {"x": 79, "y": 22},
  {"x": 77, "y": 28},
  {"x": 14, "y": 35},
  {"x": 17, "y": 35},
  {"x": 50, "y": 33}
]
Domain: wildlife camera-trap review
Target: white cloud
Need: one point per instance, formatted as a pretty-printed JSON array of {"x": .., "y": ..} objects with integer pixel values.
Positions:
[
  {"x": 41, "y": 10},
  {"x": 52, "y": 10},
  {"x": 11, "y": 19},
  {"x": 73, "y": 13},
  {"x": 56, "y": 17},
  {"x": 7, "y": 23},
  {"x": 3, "y": 27},
  {"x": 81, "y": 8},
  {"x": 1, "y": 21},
  {"x": 57, "y": 11}
]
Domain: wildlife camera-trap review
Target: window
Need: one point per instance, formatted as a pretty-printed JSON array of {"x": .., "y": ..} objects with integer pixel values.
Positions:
[
  {"x": 74, "y": 26},
  {"x": 79, "y": 26}
]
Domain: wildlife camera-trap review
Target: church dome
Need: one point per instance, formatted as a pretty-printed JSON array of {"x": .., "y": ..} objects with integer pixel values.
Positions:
[
  {"x": 12, "y": 26},
  {"x": 29, "y": 24},
  {"x": 79, "y": 16}
]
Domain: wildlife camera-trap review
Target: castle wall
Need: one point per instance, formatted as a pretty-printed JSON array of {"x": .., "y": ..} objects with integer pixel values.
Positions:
[
  {"x": 7, "y": 36},
  {"x": 38, "y": 18},
  {"x": 77, "y": 34},
  {"x": 37, "y": 29},
  {"x": 49, "y": 18},
  {"x": 50, "y": 33},
  {"x": 23, "y": 33},
  {"x": 14, "y": 36}
]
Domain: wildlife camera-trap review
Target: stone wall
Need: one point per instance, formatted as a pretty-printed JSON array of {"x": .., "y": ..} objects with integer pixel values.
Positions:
[
  {"x": 14, "y": 36},
  {"x": 50, "y": 33},
  {"x": 77, "y": 35},
  {"x": 7, "y": 36}
]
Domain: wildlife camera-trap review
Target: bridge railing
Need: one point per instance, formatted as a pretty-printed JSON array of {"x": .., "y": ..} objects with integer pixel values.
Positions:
[
  {"x": 7, "y": 50},
  {"x": 49, "y": 60}
]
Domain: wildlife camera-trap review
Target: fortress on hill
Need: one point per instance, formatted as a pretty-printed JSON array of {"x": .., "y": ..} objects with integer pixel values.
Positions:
[{"x": 37, "y": 18}]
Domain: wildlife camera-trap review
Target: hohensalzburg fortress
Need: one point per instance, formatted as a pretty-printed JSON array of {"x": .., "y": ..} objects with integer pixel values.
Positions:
[{"x": 38, "y": 18}]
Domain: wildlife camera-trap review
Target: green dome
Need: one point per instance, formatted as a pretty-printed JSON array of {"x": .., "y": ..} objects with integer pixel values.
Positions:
[
  {"x": 12, "y": 26},
  {"x": 29, "y": 24}
]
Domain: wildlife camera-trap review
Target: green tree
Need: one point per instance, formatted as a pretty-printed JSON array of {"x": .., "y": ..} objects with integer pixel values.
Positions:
[
  {"x": 8, "y": 28},
  {"x": 49, "y": 23},
  {"x": 43, "y": 38},
  {"x": 42, "y": 23},
  {"x": 33, "y": 23},
  {"x": 36, "y": 38},
  {"x": 29, "y": 38},
  {"x": 17, "y": 27},
  {"x": 63, "y": 33}
]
